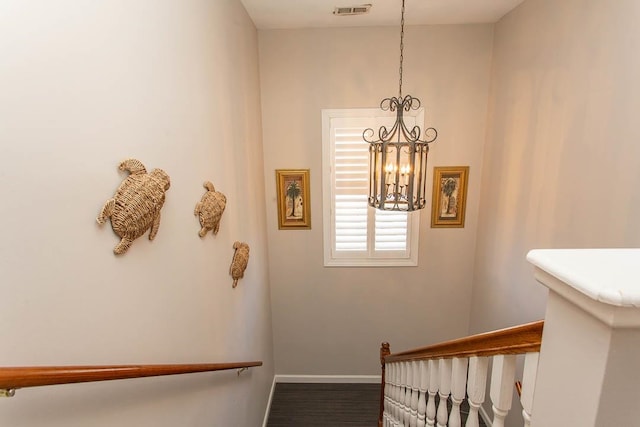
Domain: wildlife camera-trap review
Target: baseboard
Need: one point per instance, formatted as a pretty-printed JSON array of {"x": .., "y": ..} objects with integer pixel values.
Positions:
[
  {"x": 359, "y": 379},
  {"x": 485, "y": 417},
  {"x": 268, "y": 409}
]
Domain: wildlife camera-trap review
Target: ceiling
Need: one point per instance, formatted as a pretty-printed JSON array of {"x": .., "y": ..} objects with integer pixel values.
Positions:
[{"x": 272, "y": 14}]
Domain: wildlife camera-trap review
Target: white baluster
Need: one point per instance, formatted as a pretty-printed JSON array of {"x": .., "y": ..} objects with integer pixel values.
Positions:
[
  {"x": 422, "y": 400},
  {"x": 445, "y": 389},
  {"x": 387, "y": 393},
  {"x": 528, "y": 385},
  {"x": 503, "y": 374},
  {"x": 458, "y": 389},
  {"x": 476, "y": 384},
  {"x": 395, "y": 393},
  {"x": 404, "y": 410},
  {"x": 434, "y": 379},
  {"x": 399, "y": 396},
  {"x": 387, "y": 387},
  {"x": 415, "y": 382},
  {"x": 407, "y": 393}
]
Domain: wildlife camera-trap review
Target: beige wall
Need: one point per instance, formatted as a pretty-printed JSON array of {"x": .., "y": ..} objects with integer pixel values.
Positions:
[
  {"x": 85, "y": 85},
  {"x": 562, "y": 159},
  {"x": 332, "y": 320}
]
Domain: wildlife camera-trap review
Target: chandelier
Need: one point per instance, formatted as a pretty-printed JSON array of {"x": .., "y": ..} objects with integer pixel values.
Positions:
[{"x": 398, "y": 157}]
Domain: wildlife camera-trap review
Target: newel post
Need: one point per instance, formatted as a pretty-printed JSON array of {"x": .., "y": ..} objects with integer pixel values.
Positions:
[
  {"x": 384, "y": 352},
  {"x": 588, "y": 365}
]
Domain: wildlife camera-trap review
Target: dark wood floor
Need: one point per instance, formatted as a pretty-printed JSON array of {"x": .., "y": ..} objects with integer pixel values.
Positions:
[
  {"x": 324, "y": 405},
  {"x": 329, "y": 405}
]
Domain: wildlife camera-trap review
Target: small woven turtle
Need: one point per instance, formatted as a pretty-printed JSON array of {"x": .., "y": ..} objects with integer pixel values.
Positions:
[
  {"x": 136, "y": 205},
  {"x": 210, "y": 209},
  {"x": 239, "y": 262}
]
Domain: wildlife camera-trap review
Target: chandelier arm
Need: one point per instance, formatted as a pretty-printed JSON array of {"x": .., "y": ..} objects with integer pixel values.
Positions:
[
  {"x": 387, "y": 135},
  {"x": 412, "y": 135},
  {"x": 367, "y": 135},
  {"x": 389, "y": 104},
  {"x": 413, "y": 103},
  {"x": 430, "y": 139}
]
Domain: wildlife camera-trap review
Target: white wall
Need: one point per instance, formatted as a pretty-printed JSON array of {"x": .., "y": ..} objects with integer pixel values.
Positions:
[
  {"x": 332, "y": 320},
  {"x": 85, "y": 85},
  {"x": 562, "y": 158}
]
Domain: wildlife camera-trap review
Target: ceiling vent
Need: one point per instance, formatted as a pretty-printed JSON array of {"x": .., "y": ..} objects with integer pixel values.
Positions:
[{"x": 353, "y": 10}]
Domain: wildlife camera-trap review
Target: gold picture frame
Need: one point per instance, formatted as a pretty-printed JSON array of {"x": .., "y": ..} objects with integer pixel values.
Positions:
[
  {"x": 449, "y": 196},
  {"x": 294, "y": 204}
]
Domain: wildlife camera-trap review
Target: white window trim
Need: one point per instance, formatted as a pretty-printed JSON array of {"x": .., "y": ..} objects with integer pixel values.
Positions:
[{"x": 382, "y": 259}]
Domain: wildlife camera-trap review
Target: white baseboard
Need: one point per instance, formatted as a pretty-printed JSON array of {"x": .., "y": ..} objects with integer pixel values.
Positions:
[
  {"x": 268, "y": 409},
  {"x": 485, "y": 417},
  {"x": 343, "y": 379}
]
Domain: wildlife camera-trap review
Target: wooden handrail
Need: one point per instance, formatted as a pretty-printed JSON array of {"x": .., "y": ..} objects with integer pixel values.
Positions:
[
  {"x": 515, "y": 340},
  {"x": 12, "y": 378},
  {"x": 520, "y": 339}
]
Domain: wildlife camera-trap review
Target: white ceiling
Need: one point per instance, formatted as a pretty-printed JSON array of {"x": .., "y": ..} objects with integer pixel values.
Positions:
[{"x": 272, "y": 14}]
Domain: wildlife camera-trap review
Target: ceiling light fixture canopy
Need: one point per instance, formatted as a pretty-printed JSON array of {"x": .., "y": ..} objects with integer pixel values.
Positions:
[{"x": 398, "y": 158}]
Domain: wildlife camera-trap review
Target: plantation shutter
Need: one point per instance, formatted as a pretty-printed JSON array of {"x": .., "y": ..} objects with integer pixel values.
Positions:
[
  {"x": 354, "y": 234},
  {"x": 351, "y": 174},
  {"x": 357, "y": 227},
  {"x": 391, "y": 231}
]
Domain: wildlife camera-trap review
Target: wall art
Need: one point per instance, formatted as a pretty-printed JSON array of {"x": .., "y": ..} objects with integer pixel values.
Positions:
[
  {"x": 209, "y": 209},
  {"x": 449, "y": 196},
  {"x": 294, "y": 204},
  {"x": 239, "y": 261},
  {"x": 135, "y": 208}
]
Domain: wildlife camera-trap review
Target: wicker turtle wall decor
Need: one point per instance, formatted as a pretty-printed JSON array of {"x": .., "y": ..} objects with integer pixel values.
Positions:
[
  {"x": 239, "y": 262},
  {"x": 210, "y": 209},
  {"x": 136, "y": 205}
]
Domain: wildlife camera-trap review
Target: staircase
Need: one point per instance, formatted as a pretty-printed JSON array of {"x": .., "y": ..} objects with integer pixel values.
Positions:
[{"x": 584, "y": 360}]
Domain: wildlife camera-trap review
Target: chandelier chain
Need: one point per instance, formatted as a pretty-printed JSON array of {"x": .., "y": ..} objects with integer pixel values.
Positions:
[{"x": 401, "y": 48}]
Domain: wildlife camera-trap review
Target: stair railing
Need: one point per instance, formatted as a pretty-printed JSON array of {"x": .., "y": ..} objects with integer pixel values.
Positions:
[
  {"x": 455, "y": 370},
  {"x": 13, "y": 378}
]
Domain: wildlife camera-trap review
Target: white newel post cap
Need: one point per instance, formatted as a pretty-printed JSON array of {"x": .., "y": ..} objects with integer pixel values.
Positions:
[
  {"x": 591, "y": 338},
  {"x": 603, "y": 282}
]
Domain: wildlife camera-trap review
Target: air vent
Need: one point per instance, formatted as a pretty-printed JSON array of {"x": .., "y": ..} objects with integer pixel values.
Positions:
[{"x": 353, "y": 10}]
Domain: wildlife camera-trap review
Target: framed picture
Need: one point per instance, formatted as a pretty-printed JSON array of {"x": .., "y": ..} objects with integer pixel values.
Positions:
[
  {"x": 449, "y": 196},
  {"x": 294, "y": 211}
]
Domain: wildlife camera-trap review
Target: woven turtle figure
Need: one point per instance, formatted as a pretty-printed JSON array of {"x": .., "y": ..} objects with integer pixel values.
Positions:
[
  {"x": 210, "y": 209},
  {"x": 239, "y": 262},
  {"x": 135, "y": 207}
]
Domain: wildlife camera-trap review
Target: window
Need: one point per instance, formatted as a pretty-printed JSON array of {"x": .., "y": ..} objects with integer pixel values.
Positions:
[{"x": 354, "y": 233}]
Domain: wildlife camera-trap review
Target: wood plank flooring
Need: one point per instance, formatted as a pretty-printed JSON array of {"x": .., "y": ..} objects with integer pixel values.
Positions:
[{"x": 324, "y": 405}]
